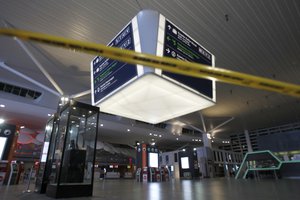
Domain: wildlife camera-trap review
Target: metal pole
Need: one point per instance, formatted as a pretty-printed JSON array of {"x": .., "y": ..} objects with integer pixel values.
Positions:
[{"x": 28, "y": 183}]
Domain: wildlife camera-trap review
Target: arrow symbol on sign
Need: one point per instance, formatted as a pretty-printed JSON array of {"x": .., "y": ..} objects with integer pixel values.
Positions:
[{"x": 168, "y": 50}]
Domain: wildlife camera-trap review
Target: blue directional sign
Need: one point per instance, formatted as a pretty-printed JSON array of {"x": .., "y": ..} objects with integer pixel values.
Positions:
[
  {"x": 108, "y": 75},
  {"x": 179, "y": 45}
]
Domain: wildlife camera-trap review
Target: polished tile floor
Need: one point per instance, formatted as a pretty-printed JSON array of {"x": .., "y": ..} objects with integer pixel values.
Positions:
[{"x": 205, "y": 189}]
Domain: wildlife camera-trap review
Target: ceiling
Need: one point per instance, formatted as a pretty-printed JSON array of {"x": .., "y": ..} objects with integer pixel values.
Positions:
[{"x": 257, "y": 37}]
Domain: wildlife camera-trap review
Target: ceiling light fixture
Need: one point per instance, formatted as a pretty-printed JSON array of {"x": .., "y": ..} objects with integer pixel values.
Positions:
[
  {"x": 128, "y": 130},
  {"x": 150, "y": 133},
  {"x": 49, "y": 114},
  {"x": 2, "y": 105},
  {"x": 177, "y": 139},
  {"x": 22, "y": 127},
  {"x": 101, "y": 124},
  {"x": 208, "y": 136},
  {"x": 2, "y": 121}
]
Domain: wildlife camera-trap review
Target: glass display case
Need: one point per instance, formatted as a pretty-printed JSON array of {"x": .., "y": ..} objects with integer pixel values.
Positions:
[
  {"x": 44, "y": 168},
  {"x": 72, "y": 151}
]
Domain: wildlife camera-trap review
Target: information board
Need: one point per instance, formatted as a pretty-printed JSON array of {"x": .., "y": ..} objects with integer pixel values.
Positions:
[
  {"x": 107, "y": 74},
  {"x": 179, "y": 45}
]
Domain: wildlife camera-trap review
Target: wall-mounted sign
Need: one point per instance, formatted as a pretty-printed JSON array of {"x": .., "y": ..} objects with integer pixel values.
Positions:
[
  {"x": 179, "y": 45},
  {"x": 108, "y": 75}
]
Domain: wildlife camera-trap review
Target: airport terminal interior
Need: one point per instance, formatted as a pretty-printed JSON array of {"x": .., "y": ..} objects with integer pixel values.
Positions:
[{"x": 150, "y": 99}]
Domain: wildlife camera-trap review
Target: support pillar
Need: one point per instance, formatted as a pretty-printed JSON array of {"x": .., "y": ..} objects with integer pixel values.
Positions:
[{"x": 249, "y": 146}]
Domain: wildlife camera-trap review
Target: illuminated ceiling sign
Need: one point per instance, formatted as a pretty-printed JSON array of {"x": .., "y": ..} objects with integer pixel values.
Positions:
[{"x": 147, "y": 94}]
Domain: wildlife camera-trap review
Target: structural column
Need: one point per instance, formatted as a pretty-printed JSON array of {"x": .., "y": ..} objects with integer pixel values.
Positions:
[{"x": 249, "y": 146}]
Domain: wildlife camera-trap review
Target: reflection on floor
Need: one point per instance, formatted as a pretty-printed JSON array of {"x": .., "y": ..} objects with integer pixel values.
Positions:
[{"x": 205, "y": 189}]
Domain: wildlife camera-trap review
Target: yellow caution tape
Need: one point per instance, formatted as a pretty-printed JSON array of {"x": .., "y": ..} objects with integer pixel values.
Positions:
[{"x": 164, "y": 63}]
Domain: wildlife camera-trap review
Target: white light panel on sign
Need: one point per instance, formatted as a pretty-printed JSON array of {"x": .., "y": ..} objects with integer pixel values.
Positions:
[
  {"x": 153, "y": 160},
  {"x": 185, "y": 162},
  {"x": 153, "y": 99},
  {"x": 2, "y": 146},
  {"x": 44, "y": 152}
]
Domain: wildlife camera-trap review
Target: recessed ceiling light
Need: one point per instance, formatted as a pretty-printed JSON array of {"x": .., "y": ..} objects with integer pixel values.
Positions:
[
  {"x": 49, "y": 114},
  {"x": 152, "y": 139},
  {"x": 150, "y": 133},
  {"x": 74, "y": 108},
  {"x": 155, "y": 135},
  {"x": 177, "y": 139},
  {"x": 101, "y": 124},
  {"x": 2, "y": 120},
  {"x": 183, "y": 149},
  {"x": 22, "y": 127},
  {"x": 83, "y": 115},
  {"x": 128, "y": 130},
  {"x": 159, "y": 135},
  {"x": 2, "y": 105}
]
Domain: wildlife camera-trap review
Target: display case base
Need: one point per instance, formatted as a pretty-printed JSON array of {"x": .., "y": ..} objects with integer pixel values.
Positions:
[{"x": 70, "y": 190}]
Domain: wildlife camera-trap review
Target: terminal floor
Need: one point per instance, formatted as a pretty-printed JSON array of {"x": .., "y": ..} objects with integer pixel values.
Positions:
[{"x": 205, "y": 189}]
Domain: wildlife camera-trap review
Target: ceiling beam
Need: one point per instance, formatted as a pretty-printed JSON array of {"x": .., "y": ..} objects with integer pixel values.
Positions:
[
  {"x": 6, "y": 67},
  {"x": 35, "y": 61},
  {"x": 222, "y": 124},
  {"x": 203, "y": 122},
  {"x": 39, "y": 65},
  {"x": 74, "y": 96}
]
